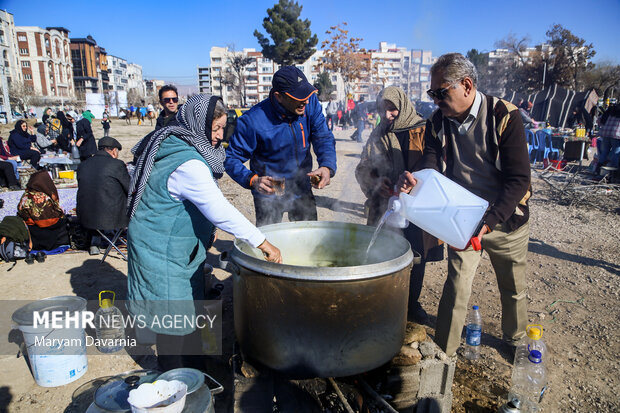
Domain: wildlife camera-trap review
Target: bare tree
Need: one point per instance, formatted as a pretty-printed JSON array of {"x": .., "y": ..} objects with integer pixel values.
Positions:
[
  {"x": 134, "y": 96},
  {"x": 604, "y": 77},
  {"x": 238, "y": 65},
  {"x": 21, "y": 95},
  {"x": 343, "y": 55},
  {"x": 515, "y": 46}
]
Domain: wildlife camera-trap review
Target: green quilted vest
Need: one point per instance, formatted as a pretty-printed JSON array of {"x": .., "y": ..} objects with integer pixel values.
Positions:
[{"x": 167, "y": 245}]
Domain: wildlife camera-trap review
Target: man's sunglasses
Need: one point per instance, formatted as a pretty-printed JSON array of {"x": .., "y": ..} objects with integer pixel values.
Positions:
[
  {"x": 168, "y": 100},
  {"x": 439, "y": 94}
]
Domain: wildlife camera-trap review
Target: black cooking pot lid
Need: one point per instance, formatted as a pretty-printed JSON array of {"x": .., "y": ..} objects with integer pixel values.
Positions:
[{"x": 112, "y": 395}]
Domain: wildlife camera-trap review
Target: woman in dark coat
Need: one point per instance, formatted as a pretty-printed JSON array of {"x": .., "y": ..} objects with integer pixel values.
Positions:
[
  {"x": 21, "y": 142},
  {"x": 85, "y": 138},
  {"x": 65, "y": 139},
  {"x": 394, "y": 146}
]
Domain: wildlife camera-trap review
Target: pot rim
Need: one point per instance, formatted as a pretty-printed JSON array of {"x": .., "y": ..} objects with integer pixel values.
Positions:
[{"x": 323, "y": 274}]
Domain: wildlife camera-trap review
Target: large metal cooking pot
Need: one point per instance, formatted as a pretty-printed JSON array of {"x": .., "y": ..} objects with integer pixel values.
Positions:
[{"x": 324, "y": 312}]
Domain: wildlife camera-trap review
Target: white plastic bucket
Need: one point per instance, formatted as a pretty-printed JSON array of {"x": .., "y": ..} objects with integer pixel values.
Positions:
[
  {"x": 443, "y": 208},
  {"x": 62, "y": 362}
]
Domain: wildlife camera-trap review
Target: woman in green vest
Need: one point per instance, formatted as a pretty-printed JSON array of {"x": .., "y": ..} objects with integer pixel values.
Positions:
[{"x": 175, "y": 206}]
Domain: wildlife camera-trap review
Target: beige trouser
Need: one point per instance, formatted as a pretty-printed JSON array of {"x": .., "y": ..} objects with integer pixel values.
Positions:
[{"x": 508, "y": 254}]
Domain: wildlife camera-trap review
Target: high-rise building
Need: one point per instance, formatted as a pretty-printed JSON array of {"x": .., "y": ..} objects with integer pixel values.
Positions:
[
  {"x": 90, "y": 66},
  {"x": 9, "y": 63},
  {"x": 45, "y": 61}
]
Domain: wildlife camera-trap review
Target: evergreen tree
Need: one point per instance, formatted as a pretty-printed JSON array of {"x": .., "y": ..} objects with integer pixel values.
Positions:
[
  {"x": 324, "y": 86},
  {"x": 293, "y": 41}
]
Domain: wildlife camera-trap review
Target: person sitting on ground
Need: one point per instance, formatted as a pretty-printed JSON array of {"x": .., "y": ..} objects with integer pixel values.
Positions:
[
  {"x": 21, "y": 142},
  {"x": 7, "y": 156},
  {"x": 103, "y": 183},
  {"x": 7, "y": 176},
  {"x": 44, "y": 140},
  {"x": 40, "y": 209},
  {"x": 85, "y": 137},
  {"x": 65, "y": 138},
  {"x": 47, "y": 113},
  {"x": 524, "y": 110}
]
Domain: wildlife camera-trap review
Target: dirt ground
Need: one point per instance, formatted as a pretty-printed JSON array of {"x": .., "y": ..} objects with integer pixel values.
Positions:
[{"x": 573, "y": 288}]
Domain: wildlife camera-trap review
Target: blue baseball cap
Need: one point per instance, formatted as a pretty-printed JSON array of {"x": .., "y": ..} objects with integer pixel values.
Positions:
[{"x": 292, "y": 82}]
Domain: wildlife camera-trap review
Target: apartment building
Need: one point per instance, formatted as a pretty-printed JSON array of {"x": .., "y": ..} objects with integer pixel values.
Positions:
[
  {"x": 45, "y": 61},
  {"x": 117, "y": 71},
  {"x": 90, "y": 66},
  {"x": 220, "y": 76},
  {"x": 388, "y": 65},
  {"x": 204, "y": 79},
  {"x": 9, "y": 64},
  {"x": 398, "y": 66},
  {"x": 134, "y": 78},
  {"x": 258, "y": 74}
]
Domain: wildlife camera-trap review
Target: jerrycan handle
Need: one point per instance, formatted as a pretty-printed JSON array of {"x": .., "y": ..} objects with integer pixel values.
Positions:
[
  {"x": 107, "y": 291},
  {"x": 475, "y": 243}
]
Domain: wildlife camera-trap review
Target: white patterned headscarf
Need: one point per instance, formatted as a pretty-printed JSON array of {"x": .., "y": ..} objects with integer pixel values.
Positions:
[{"x": 195, "y": 120}]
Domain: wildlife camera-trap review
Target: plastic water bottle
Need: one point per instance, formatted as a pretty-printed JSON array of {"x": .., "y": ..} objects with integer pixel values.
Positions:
[
  {"x": 513, "y": 406},
  {"x": 529, "y": 382},
  {"x": 474, "y": 333},
  {"x": 531, "y": 341},
  {"x": 109, "y": 325}
]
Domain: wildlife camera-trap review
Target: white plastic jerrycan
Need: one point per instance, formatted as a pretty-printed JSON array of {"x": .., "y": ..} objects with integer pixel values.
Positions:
[{"x": 440, "y": 207}]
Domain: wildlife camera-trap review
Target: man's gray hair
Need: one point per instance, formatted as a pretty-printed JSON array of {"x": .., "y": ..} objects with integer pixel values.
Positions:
[{"x": 455, "y": 67}]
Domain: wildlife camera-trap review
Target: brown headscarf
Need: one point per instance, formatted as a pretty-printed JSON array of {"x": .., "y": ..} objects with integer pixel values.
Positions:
[
  {"x": 39, "y": 204},
  {"x": 407, "y": 116},
  {"x": 382, "y": 156}
]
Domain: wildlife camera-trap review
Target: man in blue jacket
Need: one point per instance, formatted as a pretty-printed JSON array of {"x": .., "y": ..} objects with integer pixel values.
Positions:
[{"x": 276, "y": 135}]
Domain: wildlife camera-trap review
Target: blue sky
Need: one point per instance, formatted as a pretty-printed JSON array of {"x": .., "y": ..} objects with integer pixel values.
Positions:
[{"x": 170, "y": 39}]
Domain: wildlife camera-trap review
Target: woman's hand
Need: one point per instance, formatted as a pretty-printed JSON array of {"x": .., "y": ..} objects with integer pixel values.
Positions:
[
  {"x": 79, "y": 142},
  {"x": 271, "y": 252},
  {"x": 406, "y": 182},
  {"x": 384, "y": 187}
]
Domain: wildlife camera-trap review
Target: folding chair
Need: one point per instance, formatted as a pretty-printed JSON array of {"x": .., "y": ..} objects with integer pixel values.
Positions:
[
  {"x": 544, "y": 146},
  {"x": 112, "y": 243},
  {"x": 529, "y": 135}
]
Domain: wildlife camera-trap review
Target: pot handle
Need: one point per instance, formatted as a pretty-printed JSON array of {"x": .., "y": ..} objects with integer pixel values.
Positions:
[
  {"x": 215, "y": 390},
  {"x": 227, "y": 264}
]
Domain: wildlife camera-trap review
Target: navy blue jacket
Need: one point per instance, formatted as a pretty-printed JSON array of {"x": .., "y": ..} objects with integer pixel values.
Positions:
[
  {"x": 20, "y": 143},
  {"x": 278, "y": 143}
]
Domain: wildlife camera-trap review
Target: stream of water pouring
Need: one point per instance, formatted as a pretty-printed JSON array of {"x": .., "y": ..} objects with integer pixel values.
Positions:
[{"x": 376, "y": 234}]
